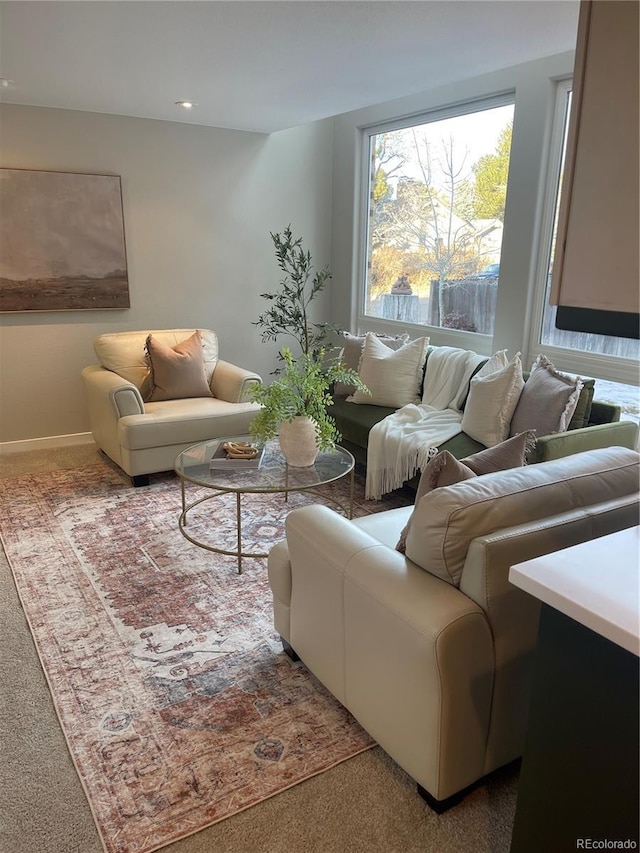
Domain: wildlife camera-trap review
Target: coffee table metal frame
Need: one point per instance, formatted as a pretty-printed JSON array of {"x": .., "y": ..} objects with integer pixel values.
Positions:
[{"x": 273, "y": 476}]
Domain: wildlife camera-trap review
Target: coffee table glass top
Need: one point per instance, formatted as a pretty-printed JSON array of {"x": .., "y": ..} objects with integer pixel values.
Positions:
[{"x": 273, "y": 475}]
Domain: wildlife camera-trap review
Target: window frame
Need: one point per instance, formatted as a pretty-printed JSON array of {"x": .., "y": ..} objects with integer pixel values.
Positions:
[
  {"x": 593, "y": 365},
  {"x": 480, "y": 343}
]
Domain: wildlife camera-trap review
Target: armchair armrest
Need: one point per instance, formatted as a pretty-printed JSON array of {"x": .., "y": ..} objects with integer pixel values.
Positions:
[
  {"x": 123, "y": 396},
  {"x": 109, "y": 398},
  {"x": 616, "y": 434},
  {"x": 232, "y": 383},
  {"x": 392, "y": 643}
]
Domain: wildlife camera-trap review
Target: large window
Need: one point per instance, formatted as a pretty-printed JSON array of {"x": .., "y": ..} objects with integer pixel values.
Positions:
[{"x": 436, "y": 204}]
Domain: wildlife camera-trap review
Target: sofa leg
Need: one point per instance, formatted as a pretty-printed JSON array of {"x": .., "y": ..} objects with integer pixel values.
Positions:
[
  {"x": 140, "y": 480},
  {"x": 441, "y": 806},
  {"x": 289, "y": 650}
]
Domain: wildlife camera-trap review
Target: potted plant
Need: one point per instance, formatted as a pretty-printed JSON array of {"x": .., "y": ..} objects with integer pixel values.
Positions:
[{"x": 295, "y": 405}]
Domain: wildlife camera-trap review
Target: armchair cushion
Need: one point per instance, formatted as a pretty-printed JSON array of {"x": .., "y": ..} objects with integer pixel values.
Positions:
[{"x": 175, "y": 372}]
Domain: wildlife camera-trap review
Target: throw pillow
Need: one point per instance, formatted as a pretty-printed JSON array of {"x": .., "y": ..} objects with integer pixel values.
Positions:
[
  {"x": 493, "y": 397},
  {"x": 497, "y": 361},
  {"x": 446, "y": 521},
  {"x": 392, "y": 376},
  {"x": 445, "y": 470},
  {"x": 175, "y": 372},
  {"x": 548, "y": 400},
  {"x": 352, "y": 351}
]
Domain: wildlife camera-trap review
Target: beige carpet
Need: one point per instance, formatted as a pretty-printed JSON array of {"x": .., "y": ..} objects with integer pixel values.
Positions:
[{"x": 364, "y": 804}]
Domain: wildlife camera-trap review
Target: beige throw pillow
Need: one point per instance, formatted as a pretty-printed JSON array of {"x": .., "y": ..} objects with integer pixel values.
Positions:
[
  {"x": 445, "y": 470},
  {"x": 392, "y": 376},
  {"x": 175, "y": 372},
  {"x": 352, "y": 352},
  {"x": 548, "y": 400},
  {"x": 493, "y": 397}
]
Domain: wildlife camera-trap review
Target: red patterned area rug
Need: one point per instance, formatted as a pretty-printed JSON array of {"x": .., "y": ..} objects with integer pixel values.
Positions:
[{"x": 178, "y": 705}]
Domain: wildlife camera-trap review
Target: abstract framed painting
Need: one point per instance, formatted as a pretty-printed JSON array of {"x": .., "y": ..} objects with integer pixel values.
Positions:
[{"x": 62, "y": 245}]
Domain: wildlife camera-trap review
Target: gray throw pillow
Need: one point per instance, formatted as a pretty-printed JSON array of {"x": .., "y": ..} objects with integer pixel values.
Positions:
[{"x": 547, "y": 402}]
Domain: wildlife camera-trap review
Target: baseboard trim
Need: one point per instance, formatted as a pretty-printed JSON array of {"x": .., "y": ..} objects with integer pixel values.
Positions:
[{"x": 47, "y": 443}]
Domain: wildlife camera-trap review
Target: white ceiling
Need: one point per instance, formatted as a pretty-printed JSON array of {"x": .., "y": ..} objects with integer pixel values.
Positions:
[{"x": 262, "y": 65}]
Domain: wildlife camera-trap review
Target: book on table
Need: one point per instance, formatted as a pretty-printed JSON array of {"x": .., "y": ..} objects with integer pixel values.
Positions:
[{"x": 221, "y": 461}]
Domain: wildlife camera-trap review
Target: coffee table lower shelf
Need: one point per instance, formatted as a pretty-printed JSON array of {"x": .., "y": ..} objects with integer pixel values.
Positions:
[{"x": 238, "y": 552}]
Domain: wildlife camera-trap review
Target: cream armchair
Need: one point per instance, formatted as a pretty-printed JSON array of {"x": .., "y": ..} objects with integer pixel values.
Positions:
[
  {"x": 431, "y": 650},
  {"x": 143, "y": 438}
]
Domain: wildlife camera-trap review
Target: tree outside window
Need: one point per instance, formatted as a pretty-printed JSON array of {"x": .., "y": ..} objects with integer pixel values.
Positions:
[{"x": 437, "y": 195}]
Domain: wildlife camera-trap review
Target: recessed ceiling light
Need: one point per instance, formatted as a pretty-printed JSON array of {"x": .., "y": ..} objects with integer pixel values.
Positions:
[
  {"x": 5, "y": 83},
  {"x": 186, "y": 104}
]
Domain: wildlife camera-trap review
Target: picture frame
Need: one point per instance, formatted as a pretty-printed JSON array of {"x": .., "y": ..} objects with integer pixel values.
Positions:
[{"x": 62, "y": 242}]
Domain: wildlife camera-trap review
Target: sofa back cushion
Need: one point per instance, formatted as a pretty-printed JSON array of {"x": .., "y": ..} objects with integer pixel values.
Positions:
[
  {"x": 447, "y": 520},
  {"x": 124, "y": 352}
]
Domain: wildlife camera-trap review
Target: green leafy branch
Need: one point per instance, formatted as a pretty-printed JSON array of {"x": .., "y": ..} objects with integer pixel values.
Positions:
[{"x": 288, "y": 312}]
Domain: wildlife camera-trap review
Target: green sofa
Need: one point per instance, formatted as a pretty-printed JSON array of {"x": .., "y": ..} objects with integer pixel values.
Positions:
[{"x": 593, "y": 425}]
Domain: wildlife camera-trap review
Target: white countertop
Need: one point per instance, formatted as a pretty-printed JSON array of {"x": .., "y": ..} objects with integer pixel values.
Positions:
[{"x": 597, "y": 583}]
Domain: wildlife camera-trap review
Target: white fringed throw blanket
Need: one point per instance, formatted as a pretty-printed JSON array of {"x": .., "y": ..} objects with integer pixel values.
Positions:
[{"x": 401, "y": 444}]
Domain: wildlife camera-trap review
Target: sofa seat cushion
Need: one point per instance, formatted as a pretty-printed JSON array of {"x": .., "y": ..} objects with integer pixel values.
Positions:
[
  {"x": 124, "y": 352},
  {"x": 188, "y": 421},
  {"x": 354, "y": 421},
  {"x": 385, "y": 526},
  {"x": 445, "y": 521}
]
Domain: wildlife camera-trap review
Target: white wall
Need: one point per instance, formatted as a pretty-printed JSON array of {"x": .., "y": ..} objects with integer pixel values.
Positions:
[
  {"x": 199, "y": 204},
  {"x": 533, "y": 84}
]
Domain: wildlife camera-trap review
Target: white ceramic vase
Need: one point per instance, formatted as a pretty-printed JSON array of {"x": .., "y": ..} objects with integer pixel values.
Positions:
[{"x": 298, "y": 441}]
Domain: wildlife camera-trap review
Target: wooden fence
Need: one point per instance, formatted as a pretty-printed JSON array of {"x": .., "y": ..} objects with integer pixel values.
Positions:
[{"x": 466, "y": 304}]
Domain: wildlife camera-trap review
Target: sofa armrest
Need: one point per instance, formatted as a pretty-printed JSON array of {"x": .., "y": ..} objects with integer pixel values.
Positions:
[
  {"x": 232, "y": 383},
  {"x": 616, "y": 434}
]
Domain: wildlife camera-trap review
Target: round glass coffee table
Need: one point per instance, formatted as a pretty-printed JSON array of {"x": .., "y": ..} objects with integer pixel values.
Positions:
[{"x": 193, "y": 465}]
